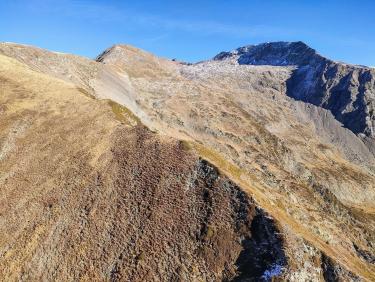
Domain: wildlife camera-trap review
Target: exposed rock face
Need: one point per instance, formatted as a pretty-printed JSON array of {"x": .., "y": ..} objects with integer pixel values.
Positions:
[
  {"x": 274, "y": 54},
  {"x": 347, "y": 91},
  {"x": 335, "y": 273}
]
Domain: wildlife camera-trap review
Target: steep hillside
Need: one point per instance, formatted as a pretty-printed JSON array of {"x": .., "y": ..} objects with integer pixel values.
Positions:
[
  {"x": 237, "y": 180},
  {"x": 250, "y": 129},
  {"x": 86, "y": 196}
]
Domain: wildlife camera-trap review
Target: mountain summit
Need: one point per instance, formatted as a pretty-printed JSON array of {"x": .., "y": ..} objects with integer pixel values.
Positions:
[
  {"x": 273, "y": 53},
  {"x": 348, "y": 91}
]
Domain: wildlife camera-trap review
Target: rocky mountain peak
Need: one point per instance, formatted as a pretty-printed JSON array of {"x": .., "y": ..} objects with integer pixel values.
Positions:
[
  {"x": 273, "y": 53},
  {"x": 116, "y": 50},
  {"x": 348, "y": 91}
]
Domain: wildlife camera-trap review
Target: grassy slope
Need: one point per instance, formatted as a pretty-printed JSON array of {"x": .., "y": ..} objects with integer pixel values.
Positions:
[{"x": 66, "y": 96}]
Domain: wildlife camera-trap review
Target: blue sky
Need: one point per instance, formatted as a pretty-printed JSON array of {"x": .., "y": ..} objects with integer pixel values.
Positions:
[{"x": 191, "y": 30}]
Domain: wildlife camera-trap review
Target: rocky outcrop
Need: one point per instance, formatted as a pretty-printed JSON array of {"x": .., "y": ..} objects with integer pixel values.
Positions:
[
  {"x": 274, "y": 54},
  {"x": 335, "y": 273}
]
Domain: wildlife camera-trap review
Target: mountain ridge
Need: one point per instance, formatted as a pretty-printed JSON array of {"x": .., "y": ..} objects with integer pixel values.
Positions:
[
  {"x": 299, "y": 48},
  {"x": 293, "y": 159}
]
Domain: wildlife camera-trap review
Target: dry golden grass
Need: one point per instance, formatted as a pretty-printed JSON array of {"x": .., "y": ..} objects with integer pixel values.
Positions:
[
  {"x": 238, "y": 119},
  {"x": 123, "y": 114}
]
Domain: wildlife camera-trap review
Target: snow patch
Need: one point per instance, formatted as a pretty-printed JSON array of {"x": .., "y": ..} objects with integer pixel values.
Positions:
[{"x": 275, "y": 270}]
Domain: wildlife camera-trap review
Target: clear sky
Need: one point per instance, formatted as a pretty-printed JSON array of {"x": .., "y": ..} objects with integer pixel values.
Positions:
[{"x": 192, "y": 30}]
